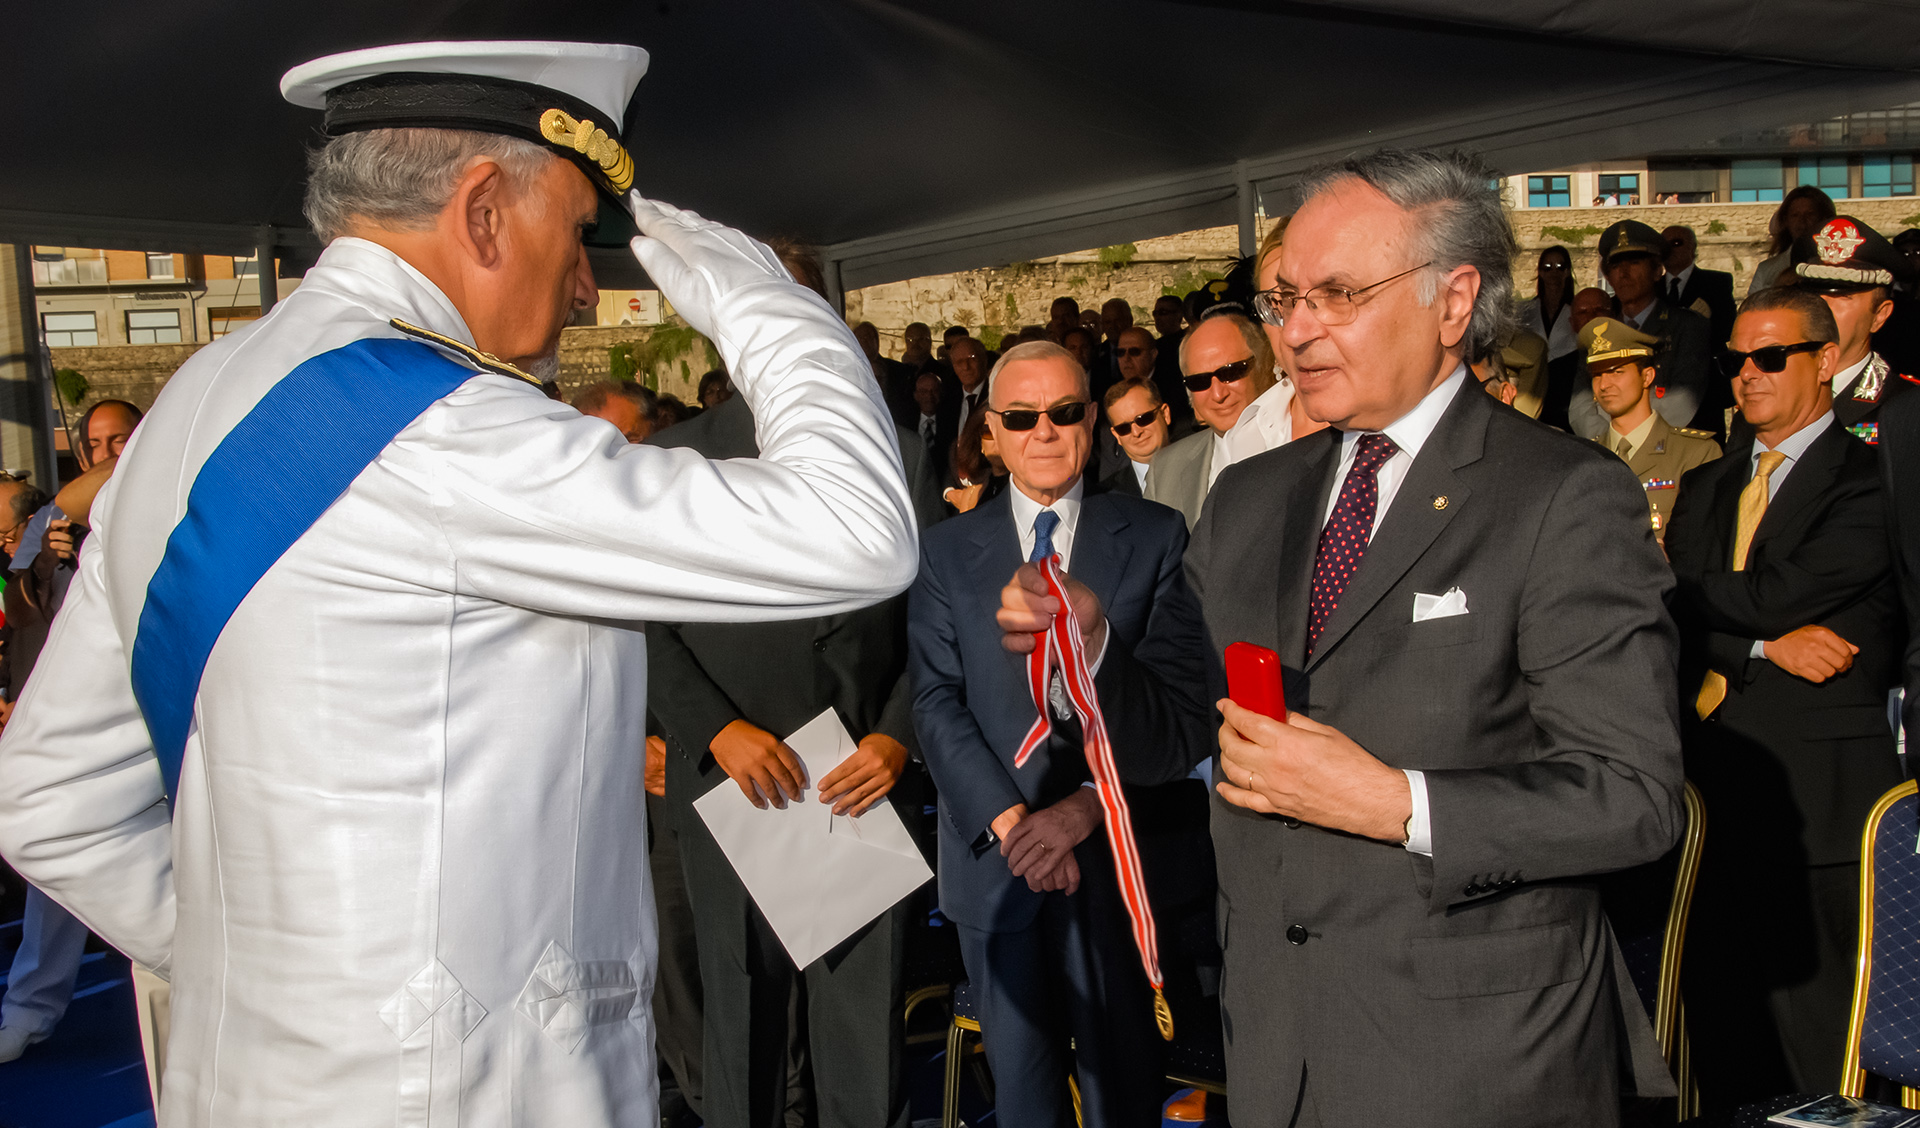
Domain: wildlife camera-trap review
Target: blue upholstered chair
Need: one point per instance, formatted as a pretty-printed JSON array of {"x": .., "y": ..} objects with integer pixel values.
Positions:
[{"x": 1884, "y": 1036}]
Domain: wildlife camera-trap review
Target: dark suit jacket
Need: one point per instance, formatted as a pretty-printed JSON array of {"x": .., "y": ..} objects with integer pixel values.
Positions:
[
  {"x": 1900, "y": 476},
  {"x": 1122, "y": 481},
  {"x": 1853, "y": 410},
  {"x": 951, "y": 419},
  {"x": 971, "y": 704},
  {"x": 1482, "y": 985},
  {"x": 1715, "y": 287},
  {"x": 778, "y": 676},
  {"x": 1784, "y": 754}
]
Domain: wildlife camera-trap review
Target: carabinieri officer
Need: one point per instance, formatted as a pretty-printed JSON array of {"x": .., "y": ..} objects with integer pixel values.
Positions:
[{"x": 341, "y": 726}]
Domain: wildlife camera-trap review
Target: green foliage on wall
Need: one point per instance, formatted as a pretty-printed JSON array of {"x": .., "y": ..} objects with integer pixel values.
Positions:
[
  {"x": 641, "y": 360},
  {"x": 1187, "y": 281},
  {"x": 1118, "y": 255},
  {"x": 1716, "y": 228},
  {"x": 73, "y": 387},
  {"x": 1574, "y": 235}
]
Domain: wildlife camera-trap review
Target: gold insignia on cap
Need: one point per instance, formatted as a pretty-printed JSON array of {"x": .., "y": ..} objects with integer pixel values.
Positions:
[
  {"x": 585, "y": 138},
  {"x": 1600, "y": 343}
]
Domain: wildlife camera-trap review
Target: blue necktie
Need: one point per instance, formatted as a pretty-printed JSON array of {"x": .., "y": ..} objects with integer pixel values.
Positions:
[{"x": 1043, "y": 527}]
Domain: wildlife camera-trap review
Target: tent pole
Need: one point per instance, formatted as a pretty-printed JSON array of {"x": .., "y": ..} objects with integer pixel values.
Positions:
[
  {"x": 836, "y": 294},
  {"x": 266, "y": 270},
  {"x": 26, "y": 379},
  {"x": 1247, "y": 201}
]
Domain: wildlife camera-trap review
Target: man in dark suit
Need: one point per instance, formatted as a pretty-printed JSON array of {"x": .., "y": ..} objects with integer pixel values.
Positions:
[
  {"x": 1026, "y": 872},
  {"x": 1900, "y": 473},
  {"x": 1140, "y": 422},
  {"x": 1688, "y": 285},
  {"x": 1791, "y": 640},
  {"x": 726, "y": 694},
  {"x": 1853, "y": 269},
  {"x": 967, "y": 391},
  {"x": 1463, "y": 600}
]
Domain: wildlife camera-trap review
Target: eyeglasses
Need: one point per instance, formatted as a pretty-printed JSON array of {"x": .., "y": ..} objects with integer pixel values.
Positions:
[
  {"x": 1130, "y": 350},
  {"x": 1026, "y": 419},
  {"x": 1773, "y": 358},
  {"x": 1553, "y": 266},
  {"x": 1226, "y": 374},
  {"x": 1331, "y": 305},
  {"x": 1140, "y": 420}
]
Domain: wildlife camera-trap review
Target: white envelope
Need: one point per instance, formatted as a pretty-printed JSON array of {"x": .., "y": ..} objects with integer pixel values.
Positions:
[
  {"x": 817, "y": 877},
  {"x": 1425, "y": 607}
]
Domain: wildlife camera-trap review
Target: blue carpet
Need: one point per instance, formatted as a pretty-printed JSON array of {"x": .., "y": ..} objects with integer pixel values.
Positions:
[{"x": 89, "y": 1074}]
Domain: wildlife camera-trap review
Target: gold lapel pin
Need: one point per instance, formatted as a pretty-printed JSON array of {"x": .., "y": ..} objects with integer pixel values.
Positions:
[{"x": 1440, "y": 502}]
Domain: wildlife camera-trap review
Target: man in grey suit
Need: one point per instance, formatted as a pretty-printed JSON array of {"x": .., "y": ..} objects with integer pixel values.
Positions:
[
  {"x": 1229, "y": 369},
  {"x": 1463, "y": 599}
]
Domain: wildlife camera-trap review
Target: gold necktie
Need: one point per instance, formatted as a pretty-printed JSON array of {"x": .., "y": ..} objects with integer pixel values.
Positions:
[{"x": 1753, "y": 506}]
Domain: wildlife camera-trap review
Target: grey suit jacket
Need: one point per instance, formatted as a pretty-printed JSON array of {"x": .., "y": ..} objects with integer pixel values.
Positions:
[
  {"x": 1482, "y": 985},
  {"x": 1179, "y": 474}
]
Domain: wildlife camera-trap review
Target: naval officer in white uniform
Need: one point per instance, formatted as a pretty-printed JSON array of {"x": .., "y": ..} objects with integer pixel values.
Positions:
[{"x": 402, "y": 878}]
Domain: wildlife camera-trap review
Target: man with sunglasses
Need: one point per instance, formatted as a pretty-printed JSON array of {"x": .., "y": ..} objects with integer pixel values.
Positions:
[
  {"x": 1026, "y": 873},
  {"x": 1853, "y": 268},
  {"x": 1139, "y": 422},
  {"x": 1237, "y": 392},
  {"x": 1789, "y": 643}
]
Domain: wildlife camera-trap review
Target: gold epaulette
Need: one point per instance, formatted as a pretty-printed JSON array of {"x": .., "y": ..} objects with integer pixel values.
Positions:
[
  {"x": 486, "y": 362},
  {"x": 1692, "y": 433}
]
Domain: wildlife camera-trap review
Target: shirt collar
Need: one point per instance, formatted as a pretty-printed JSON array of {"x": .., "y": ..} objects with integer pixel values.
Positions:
[
  {"x": 1025, "y": 509},
  {"x": 1684, "y": 275},
  {"x": 1639, "y": 434},
  {"x": 1411, "y": 431},
  {"x": 371, "y": 276},
  {"x": 1796, "y": 444},
  {"x": 1640, "y": 322},
  {"x": 1849, "y": 374}
]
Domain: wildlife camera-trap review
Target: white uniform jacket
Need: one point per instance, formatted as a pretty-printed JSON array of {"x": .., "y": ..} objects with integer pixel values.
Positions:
[{"x": 406, "y": 881}]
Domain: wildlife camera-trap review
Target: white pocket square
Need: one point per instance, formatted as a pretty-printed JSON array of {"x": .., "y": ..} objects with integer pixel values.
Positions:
[{"x": 1425, "y": 607}]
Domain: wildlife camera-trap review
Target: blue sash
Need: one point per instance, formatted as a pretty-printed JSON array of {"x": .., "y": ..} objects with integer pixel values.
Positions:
[{"x": 263, "y": 487}]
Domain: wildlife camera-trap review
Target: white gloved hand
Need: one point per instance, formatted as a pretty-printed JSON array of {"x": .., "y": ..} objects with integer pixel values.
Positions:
[{"x": 696, "y": 261}]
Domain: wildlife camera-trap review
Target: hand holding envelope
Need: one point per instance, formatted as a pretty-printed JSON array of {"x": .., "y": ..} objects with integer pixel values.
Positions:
[{"x": 816, "y": 876}]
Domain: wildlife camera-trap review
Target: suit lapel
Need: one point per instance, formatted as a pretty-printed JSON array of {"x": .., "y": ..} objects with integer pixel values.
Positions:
[
  {"x": 1299, "y": 537},
  {"x": 1100, "y": 553},
  {"x": 1416, "y": 517},
  {"x": 996, "y": 545},
  {"x": 1806, "y": 482}
]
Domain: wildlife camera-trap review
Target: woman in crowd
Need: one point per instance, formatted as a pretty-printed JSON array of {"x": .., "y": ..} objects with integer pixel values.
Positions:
[
  {"x": 1801, "y": 213},
  {"x": 1549, "y": 314}
]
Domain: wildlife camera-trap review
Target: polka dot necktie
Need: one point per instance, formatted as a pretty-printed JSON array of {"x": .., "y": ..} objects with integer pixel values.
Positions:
[{"x": 1344, "y": 539}]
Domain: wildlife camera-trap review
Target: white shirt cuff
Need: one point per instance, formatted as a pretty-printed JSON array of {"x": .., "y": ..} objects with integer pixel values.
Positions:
[
  {"x": 1420, "y": 827},
  {"x": 1093, "y": 667},
  {"x": 1759, "y": 649}
]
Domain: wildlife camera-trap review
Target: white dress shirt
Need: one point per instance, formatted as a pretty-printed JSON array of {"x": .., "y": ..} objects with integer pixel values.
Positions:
[
  {"x": 1793, "y": 446},
  {"x": 1140, "y": 473},
  {"x": 1410, "y": 432},
  {"x": 1676, "y": 284},
  {"x": 969, "y": 400},
  {"x": 1846, "y": 376},
  {"x": 1560, "y": 337},
  {"x": 1263, "y": 425},
  {"x": 1026, "y": 511}
]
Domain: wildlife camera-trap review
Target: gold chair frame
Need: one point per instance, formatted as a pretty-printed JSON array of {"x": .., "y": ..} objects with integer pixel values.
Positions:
[
  {"x": 1853, "y": 1079},
  {"x": 1669, "y": 1010}
]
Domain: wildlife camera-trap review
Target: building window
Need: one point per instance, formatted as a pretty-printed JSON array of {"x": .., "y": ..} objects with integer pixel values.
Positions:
[
  {"x": 153, "y": 327},
  {"x": 222, "y": 320},
  {"x": 159, "y": 266},
  {"x": 1886, "y": 175},
  {"x": 51, "y": 270},
  {"x": 1619, "y": 187},
  {"x": 246, "y": 267},
  {"x": 1829, "y": 174},
  {"x": 1548, "y": 192},
  {"x": 1757, "y": 181},
  {"x": 69, "y": 330}
]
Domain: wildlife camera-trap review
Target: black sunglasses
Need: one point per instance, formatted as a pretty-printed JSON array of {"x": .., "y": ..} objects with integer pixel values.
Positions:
[
  {"x": 1026, "y": 419},
  {"x": 1140, "y": 420},
  {"x": 1773, "y": 358},
  {"x": 1226, "y": 374}
]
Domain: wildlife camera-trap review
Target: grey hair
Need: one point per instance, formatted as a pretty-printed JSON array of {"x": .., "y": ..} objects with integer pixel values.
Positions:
[
  {"x": 1459, "y": 222},
  {"x": 401, "y": 179},
  {"x": 1035, "y": 350}
]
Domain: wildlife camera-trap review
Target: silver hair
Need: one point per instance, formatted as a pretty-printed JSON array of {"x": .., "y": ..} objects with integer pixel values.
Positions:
[
  {"x": 1458, "y": 219},
  {"x": 401, "y": 179},
  {"x": 1036, "y": 350}
]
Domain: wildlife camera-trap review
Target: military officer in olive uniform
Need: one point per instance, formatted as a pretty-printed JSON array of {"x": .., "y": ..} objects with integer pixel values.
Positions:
[
  {"x": 1621, "y": 359},
  {"x": 1853, "y": 267},
  {"x": 1687, "y": 392}
]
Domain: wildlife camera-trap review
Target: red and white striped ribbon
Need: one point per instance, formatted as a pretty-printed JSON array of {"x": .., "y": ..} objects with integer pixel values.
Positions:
[{"x": 1062, "y": 646}]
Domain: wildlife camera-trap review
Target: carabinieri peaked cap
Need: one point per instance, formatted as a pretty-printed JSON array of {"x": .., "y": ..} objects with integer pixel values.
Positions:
[
  {"x": 570, "y": 97},
  {"x": 1847, "y": 256}
]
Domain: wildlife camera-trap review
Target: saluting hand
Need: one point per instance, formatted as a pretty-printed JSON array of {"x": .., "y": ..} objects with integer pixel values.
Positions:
[
  {"x": 1026, "y": 609},
  {"x": 1303, "y": 769},
  {"x": 760, "y": 763},
  {"x": 863, "y": 778}
]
